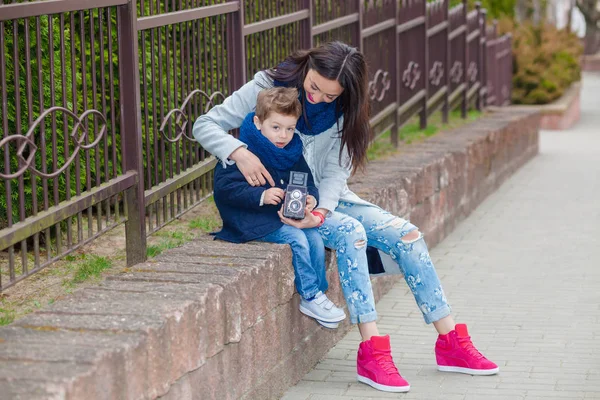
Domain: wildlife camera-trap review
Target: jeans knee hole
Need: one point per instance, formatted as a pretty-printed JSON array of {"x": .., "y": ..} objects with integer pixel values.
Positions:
[
  {"x": 396, "y": 223},
  {"x": 359, "y": 244},
  {"x": 411, "y": 237}
]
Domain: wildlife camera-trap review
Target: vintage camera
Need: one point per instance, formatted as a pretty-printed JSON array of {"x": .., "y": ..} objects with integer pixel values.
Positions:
[{"x": 295, "y": 195}]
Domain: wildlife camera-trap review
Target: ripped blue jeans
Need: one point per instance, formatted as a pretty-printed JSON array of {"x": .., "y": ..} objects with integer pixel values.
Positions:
[{"x": 348, "y": 230}]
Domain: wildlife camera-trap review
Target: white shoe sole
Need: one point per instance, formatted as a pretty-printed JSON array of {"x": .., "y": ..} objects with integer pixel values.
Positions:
[
  {"x": 383, "y": 388},
  {"x": 309, "y": 313},
  {"x": 468, "y": 370},
  {"x": 328, "y": 325}
]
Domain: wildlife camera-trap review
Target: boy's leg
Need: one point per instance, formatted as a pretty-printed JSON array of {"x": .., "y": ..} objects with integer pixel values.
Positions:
[
  {"x": 317, "y": 256},
  {"x": 306, "y": 278}
]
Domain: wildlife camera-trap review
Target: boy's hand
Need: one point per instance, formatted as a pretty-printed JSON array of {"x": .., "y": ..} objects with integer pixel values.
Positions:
[
  {"x": 274, "y": 196},
  {"x": 311, "y": 202}
]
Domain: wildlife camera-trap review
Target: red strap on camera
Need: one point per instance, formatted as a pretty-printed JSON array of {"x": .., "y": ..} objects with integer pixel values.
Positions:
[{"x": 321, "y": 217}]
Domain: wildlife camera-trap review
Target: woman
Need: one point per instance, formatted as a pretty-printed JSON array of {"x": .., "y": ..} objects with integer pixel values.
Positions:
[{"x": 335, "y": 131}]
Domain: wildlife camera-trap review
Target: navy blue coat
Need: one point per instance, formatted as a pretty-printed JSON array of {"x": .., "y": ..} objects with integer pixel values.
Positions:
[{"x": 238, "y": 202}]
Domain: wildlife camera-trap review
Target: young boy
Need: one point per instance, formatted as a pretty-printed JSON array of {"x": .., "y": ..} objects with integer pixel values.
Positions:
[{"x": 250, "y": 213}]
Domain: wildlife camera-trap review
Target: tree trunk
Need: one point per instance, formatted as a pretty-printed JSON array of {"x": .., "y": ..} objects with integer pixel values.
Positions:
[
  {"x": 521, "y": 10},
  {"x": 589, "y": 9},
  {"x": 570, "y": 16},
  {"x": 592, "y": 38},
  {"x": 537, "y": 12}
]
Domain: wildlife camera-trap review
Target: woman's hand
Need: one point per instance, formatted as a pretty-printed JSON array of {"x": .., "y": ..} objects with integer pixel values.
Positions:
[
  {"x": 309, "y": 221},
  {"x": 250, "y": 166},
  {"x": 311, "y": 202}
]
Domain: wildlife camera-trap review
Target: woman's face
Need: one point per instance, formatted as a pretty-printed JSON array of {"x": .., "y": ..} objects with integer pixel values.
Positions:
[{"x": 319, "y": 89}]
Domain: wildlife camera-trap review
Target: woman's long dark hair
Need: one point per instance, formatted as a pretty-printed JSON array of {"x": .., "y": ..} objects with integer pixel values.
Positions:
[{"x": 345, "y": 64}]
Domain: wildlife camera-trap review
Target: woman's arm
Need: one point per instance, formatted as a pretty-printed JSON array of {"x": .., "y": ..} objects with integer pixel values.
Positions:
[
  {"x": 334, "y": 177},
  {"x": 210, "y": 130},
  {"x": 331, "y": 186},
  {"x": 302, "y": 166},
  {"x": 232, "y": 189}
]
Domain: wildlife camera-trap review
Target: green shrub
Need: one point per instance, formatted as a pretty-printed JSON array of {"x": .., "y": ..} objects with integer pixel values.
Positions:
[
  {"x": 494, "y": 8},
  {"x": 545, "y": 61}
]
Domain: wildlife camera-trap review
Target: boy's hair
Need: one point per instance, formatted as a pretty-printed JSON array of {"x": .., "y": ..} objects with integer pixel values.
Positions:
[{"x": 281, "y": 100}]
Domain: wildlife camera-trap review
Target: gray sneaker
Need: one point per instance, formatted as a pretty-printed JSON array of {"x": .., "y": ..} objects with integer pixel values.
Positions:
[{"x": 322, "y": 309}]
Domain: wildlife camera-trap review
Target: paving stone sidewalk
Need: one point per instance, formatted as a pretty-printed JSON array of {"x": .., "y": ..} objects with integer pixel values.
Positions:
[{"x": 523, "y": 271}]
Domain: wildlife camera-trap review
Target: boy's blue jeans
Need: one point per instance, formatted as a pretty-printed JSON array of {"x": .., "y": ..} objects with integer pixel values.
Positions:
[
  {"x": 350, "y": 228},
  {"x": 308, "y": 257}
]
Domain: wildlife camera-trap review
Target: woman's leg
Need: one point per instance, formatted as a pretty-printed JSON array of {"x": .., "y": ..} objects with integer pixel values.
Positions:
[
  {"x": 404, "y": 243},
  {"x": 374, "y": 362},
  {"x": 348, "y": 237}
]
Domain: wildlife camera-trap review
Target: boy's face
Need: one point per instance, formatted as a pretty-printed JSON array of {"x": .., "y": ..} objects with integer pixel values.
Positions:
[{"x": 278, "y": 128}]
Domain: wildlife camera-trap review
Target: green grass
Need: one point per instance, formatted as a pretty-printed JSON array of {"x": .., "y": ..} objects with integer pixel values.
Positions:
[
  {"x": 169, "y": 240},
  {"x": 6, "y": 316},
  {"x": 205, "y": 224},
  {"x": 208, "y": 222},
  {"x": 90, "y": 267},
  {"x": 411, "y": 132},
  {"x": 154, "y": 250}
]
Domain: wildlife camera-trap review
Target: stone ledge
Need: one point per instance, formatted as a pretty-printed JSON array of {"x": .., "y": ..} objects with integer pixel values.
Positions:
[
  {"x": 590, "y": 63},
  {"x": 213, "y": 320},
  {"x": 562, "y": 113}
]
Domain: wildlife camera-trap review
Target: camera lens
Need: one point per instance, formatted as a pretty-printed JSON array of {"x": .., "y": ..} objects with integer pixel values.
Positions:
[
  {"x": 296, "y": 194},
  {"x": 295, "y": 205}
]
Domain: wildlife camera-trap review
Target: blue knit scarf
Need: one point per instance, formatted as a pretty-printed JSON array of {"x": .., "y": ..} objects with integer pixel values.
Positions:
[
  {"x": 321, "y": 116},
  {"x": 270, "y": 155}
]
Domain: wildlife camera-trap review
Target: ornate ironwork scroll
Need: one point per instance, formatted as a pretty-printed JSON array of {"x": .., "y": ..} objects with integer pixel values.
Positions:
[
  {"x": 380, "y": 84},
  {"x": 26, "y": 148},
  {"x": 411, "y": 75},
  {"x": 181, "y": 118},
  {"x": 436, "y": 73},
  {"x": 456, "y": 72},
  {"x": 472, "y": 71}
]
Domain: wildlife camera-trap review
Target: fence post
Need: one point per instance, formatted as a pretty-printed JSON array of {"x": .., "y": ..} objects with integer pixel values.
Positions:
[
  {"x": 306, "y": 37},
  {"x": 131, "y": 133},
  {"x": 446, "y": 106},
  {"x": 509, "y": 68},
  {"x": 496, "y": 68},
  {"x": 236, "y": 64},
  {"x": 423, "y": 115},
  {"x": 361, "y": 16},
  {"x": 478, "y": 102},
  {"x": 396, "y": 129},
  {"x": 465, "y": 60},
  {"x": 483, "y": 58}
]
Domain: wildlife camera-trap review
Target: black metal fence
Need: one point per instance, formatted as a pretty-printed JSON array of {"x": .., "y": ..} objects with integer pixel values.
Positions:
[{"x": 97, "y": 104}]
